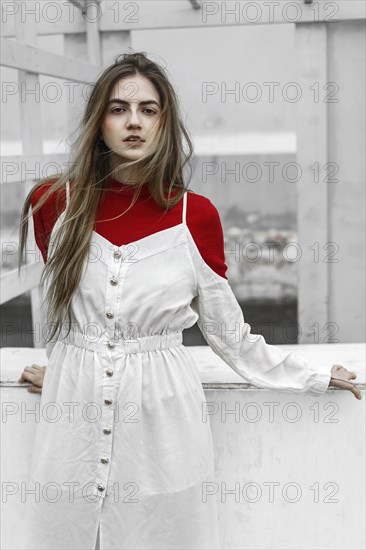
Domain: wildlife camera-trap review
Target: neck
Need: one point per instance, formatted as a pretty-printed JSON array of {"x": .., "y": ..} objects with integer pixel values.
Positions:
[
  {"x": 128, "y": 176},
  {"x": 126, "y": 188}
]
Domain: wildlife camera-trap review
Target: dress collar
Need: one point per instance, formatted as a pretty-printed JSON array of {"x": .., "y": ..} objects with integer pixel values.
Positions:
[{"x": 126, "y": 189}]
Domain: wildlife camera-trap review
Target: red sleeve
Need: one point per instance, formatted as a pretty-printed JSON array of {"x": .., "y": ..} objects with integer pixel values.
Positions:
[
  {"x": 204, "y": 222},
  {"x": 45, "y": 218}
]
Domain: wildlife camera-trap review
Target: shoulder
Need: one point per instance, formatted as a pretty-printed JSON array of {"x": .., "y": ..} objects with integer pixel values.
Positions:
[
  {"x": 204, "y": 222},
  {"x": 55, "y": 203},
  {"x": 202, "y": 209},
  {"x": 46, "y": 214}
]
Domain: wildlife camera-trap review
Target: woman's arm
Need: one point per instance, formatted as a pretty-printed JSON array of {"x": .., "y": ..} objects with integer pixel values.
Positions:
[{"x": 222, "y": 323}]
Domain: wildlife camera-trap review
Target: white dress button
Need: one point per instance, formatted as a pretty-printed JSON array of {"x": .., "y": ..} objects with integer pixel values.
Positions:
[
  {"x": 101, "y": 487},
  {"x": 109, "y": 372},
  {"x": 110, "y": 314},
  {"x": 111, "y": 344},
  {"x": 107, "y": 431},
  {"x": 117, "y": 254},
  {"x": 108, "y": 401},
  {"x": 104, "y": 460},
  {"x": 114, "y": 280}
]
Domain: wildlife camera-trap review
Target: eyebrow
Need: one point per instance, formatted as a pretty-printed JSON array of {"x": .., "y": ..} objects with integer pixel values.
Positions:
[{"x": 124, "y": 102}]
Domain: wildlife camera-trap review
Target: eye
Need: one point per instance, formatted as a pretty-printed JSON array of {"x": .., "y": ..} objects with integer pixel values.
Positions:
[{"x": 117, "y": 110}]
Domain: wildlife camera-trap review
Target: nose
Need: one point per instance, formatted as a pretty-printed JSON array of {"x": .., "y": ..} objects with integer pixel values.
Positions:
[{"x": 133, "y": 119}]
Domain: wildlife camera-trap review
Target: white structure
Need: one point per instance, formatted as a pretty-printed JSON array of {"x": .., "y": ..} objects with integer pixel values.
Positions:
[{"x": 330, "y": 142}]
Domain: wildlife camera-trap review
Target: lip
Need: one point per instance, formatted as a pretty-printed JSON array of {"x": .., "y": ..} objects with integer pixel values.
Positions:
[{"x": 134, "y": 136}]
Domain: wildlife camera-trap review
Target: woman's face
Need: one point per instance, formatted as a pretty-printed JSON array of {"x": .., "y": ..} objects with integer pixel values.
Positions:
[{"x": 133, "y": 109}]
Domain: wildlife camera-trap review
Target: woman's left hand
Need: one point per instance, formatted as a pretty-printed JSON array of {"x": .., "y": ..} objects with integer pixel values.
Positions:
[{"x": 340, "y": 378}]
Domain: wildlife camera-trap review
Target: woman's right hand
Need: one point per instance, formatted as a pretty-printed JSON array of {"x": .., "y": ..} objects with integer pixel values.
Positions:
[
  {"x": 341, "y": 378},
  {"x": 35, "y": 375}
]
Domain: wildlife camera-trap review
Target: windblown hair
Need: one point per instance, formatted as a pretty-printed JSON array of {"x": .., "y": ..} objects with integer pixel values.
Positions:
[{"x": 89, "y": 172}]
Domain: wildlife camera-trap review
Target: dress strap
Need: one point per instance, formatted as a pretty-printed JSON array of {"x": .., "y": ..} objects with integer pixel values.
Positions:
[
  {"x": 67, "y": 193},
  {"x": 184, "y": 207}
]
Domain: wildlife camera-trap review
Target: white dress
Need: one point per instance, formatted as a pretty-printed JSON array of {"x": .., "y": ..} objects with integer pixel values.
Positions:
[{"x": 121, "y": 444}]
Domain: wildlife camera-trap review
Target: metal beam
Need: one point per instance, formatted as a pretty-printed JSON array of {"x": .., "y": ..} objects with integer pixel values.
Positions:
[
  {"x": 12, "y": 284},
  {"x": 149, "y": 15},
  {"x": 35, "y": 60}
]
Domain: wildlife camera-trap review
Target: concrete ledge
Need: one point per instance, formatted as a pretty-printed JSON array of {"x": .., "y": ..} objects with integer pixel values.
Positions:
[
  {"x": 214, "y": 373},
  {"x": 289, "y": 468}
]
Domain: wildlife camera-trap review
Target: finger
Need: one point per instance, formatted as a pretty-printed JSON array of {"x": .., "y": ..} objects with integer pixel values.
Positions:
[
  {"x": 356, "y": 392},
  {"x": 25, "y": 377},
  {"x": 336, "y": 383},
  {"x": 346, "y": 385},
  {"x": 29, "y": 369},
  {"x": 29, "y": 376},
  {"x": 34, "y": 389},
  {"x": 353, "y": 389}
]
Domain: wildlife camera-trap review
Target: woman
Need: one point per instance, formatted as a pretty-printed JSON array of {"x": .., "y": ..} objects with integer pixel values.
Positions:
[{"x": 129, "y": 453}]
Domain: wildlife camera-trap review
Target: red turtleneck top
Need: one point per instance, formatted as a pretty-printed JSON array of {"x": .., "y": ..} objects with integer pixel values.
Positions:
[{"x": 144, "y": 218}]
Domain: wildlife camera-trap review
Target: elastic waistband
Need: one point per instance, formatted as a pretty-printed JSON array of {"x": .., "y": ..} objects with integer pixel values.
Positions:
[{"x": 133, "y": 345}]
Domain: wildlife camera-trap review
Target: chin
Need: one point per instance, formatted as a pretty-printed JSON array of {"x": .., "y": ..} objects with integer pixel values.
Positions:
[
  {"x": 132, "y": 154},
  {"x": 128, "y": 153}
]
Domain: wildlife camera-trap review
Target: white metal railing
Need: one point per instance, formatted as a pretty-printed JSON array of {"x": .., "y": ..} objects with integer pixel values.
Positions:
[
  {"x": 149, "y": 15},
  {"x": 13, "y": 285},
  {"x": 31, "y": 61},
  {"x": 34, "y": 60}
]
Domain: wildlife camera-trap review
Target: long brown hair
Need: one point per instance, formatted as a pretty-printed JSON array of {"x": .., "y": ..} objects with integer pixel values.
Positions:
[{"x": 88, "y": 172}]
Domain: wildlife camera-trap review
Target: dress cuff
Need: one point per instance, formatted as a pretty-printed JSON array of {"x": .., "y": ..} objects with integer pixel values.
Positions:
[{"x": 320, "y": 383}]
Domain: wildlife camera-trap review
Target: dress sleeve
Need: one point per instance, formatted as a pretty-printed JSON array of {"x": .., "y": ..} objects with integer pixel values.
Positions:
[{"x": 222, "y": 323}]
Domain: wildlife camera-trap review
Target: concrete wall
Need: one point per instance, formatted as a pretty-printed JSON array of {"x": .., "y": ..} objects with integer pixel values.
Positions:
[{"x": 308, "y": 450}]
